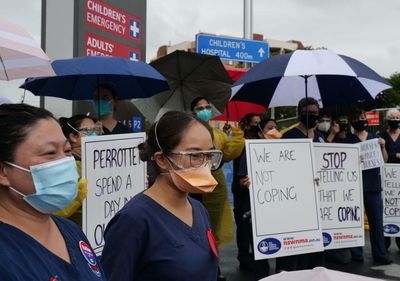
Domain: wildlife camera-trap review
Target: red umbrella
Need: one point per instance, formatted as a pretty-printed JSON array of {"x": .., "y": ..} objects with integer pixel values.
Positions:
[{"x": 238, "y": 109}]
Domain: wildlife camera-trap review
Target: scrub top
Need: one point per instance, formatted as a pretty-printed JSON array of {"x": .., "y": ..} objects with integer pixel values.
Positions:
[
  {"x": 23, "y": 259},
  {"x": 296, "y": 133},
  {"x": 144, "y": 241},
  {"x": 118, "y": 129},
  {"x": 392, "y": 147}
]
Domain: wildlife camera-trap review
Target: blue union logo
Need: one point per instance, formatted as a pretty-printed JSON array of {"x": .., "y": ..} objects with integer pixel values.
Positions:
[
  {"x": 269, "y": 246},
  {"x": 327, "y": 238},
  {"x": 391, "y": 228}
]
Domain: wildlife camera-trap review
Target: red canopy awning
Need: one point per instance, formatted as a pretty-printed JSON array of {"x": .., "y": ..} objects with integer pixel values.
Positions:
[{"x": 238, "y": 109}]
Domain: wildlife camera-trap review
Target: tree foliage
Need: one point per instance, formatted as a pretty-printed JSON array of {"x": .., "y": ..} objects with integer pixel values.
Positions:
[{"x": 391, "y": 97}]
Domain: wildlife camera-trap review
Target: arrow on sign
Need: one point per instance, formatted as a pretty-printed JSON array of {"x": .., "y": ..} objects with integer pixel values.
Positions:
[{"x": 261, "y": 52}]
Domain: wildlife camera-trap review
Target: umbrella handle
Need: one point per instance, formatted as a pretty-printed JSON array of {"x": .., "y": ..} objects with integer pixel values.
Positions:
[
  {"x": 227, "y": 126},
  {"x": 227, "y": 112}
]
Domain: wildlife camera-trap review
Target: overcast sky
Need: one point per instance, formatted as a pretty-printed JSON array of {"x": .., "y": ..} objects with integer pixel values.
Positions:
[{"x": 366, "y": 30}]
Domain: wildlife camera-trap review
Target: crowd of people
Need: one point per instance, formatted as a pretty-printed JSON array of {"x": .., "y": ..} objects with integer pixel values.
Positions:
[{"x": 175, "y": 228}]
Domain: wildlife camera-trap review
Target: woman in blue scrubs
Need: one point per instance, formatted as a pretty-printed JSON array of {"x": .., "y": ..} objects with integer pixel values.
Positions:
[
  {"x": 372, "y": 193},
  {"x": 162, "y": 233},
  {"x": 38, "y": 177}
]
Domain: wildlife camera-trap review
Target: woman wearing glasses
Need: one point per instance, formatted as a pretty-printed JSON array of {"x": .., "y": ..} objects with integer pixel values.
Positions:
[
  {"x": 74, "y": 129},
  {"x": 162, "y": 233}
]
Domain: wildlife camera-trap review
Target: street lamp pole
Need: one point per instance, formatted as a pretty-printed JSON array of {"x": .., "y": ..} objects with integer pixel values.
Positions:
[{"x": 248, "y": 19}]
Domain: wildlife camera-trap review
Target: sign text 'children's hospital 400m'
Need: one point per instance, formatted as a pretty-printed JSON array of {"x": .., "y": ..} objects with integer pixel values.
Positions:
[
  {"x": 283, "y": 197},
  {"x": 114, "y": 173},
  {"x": 233, "y": 49},
  {"x": 340, "y": 194}
]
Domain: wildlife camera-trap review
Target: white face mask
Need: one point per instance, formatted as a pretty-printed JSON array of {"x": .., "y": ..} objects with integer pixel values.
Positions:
[{"x": 324, "y": 126}]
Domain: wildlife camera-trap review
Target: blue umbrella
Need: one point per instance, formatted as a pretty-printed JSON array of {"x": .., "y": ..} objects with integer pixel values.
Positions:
[
  {"x": 77, "y": 78},
  {"x": 329, "y": 78}
]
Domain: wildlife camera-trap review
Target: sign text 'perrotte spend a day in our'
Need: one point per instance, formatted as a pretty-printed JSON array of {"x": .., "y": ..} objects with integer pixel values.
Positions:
[
  {"x": 283, "y": 196},
  {"x": 340, "y": 194},
  {"x": 390, "y": 174},
  {"x": 114, "y": 174}
]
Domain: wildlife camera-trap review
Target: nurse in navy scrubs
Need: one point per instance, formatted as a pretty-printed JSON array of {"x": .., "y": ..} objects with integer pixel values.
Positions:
[
  {"x": 162, "y": 233},
  {"x": 38, "y": 177}
]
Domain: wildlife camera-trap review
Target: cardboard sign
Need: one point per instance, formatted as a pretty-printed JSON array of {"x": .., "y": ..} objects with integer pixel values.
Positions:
[
  {"x": 340, "y": 194},
  {"x": 391, "y": 199},
  {"x": 114, "y": 174},
  {"x": 283, "y": 196},
  {"x": 370, "y": 154}
]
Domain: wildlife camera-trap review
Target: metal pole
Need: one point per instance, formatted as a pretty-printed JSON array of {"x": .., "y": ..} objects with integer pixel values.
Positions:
[
  {"x": 248, "y": 22},
  {"x": 248, "y": 19},
  {"x": 273, "y": 112}
]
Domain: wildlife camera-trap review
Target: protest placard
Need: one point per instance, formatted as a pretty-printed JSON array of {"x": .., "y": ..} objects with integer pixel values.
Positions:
[
  {"x": 114, "y": 174},
  {"x": 370, "y": 154},
  {"x": 340, "y": 194},
  {"x": 391, "y": 199},
  {"x": 283, "y": 197}
]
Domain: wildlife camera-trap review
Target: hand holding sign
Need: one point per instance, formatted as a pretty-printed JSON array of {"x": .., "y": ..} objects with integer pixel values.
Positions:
[{"x": 284, "y": 204}]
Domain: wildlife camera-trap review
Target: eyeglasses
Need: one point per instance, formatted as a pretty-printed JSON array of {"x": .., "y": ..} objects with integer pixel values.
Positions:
[
  {"x": 197, "y": 159},
  {"x": 200, "y": 108},
  {"x": 96, "y": 128}
]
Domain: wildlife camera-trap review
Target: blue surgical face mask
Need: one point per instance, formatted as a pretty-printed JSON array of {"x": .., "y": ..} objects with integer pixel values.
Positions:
[
  {"x": 204, "y": 115},
  {"x": 56, "y": 185},
  {"x": 91, "y": 135},
  {"x": 104, "y": 106}
]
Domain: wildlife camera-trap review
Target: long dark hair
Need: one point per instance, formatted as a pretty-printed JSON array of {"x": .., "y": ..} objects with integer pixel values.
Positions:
[{"x": 16, "y": 120}]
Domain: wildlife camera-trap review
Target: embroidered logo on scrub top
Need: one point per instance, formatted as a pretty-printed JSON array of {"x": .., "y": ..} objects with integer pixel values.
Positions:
[
  {"x": 212, "y": 242},
  {"x": 54, "y": 278},
  {"x": 90, "y": 257}
]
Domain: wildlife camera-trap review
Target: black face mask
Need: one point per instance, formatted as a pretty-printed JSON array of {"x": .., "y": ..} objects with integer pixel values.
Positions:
[
  {"x": 394, "y": 124},
  {"x": 344, "y": 127},
  {"x": 254, "y": 129},
  {"x": 360, "y": 125},
  {"x": 309, "y": 119}
]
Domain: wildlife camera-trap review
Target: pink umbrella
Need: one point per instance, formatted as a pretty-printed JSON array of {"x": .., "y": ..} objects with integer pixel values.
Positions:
[
  {"x": 4, "y": 100},
  {"x": 317, "y": 274},
  {"x": 20, "y": 55}
]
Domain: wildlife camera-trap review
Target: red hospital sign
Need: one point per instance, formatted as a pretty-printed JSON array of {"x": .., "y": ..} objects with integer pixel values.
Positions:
[
  {"x": 372, "y": 118},
  {"x": 113, "y": 20},
  {"x": 100, "y": 46}
]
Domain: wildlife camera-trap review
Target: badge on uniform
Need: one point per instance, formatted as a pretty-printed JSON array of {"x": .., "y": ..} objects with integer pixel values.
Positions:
[
  {"x": 212, "y": 241},
  {"x": 90, "y": 257}
]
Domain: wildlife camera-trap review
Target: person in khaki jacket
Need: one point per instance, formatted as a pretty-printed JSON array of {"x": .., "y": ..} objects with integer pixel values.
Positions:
[{"x": 217, "y": 203}]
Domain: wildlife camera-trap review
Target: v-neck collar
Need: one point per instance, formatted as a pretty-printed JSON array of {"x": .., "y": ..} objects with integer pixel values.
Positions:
[
  {"x": 391, "y": 139},
  {"x": 43, "y": 248},
  {"x": 175, "y": 218}
]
